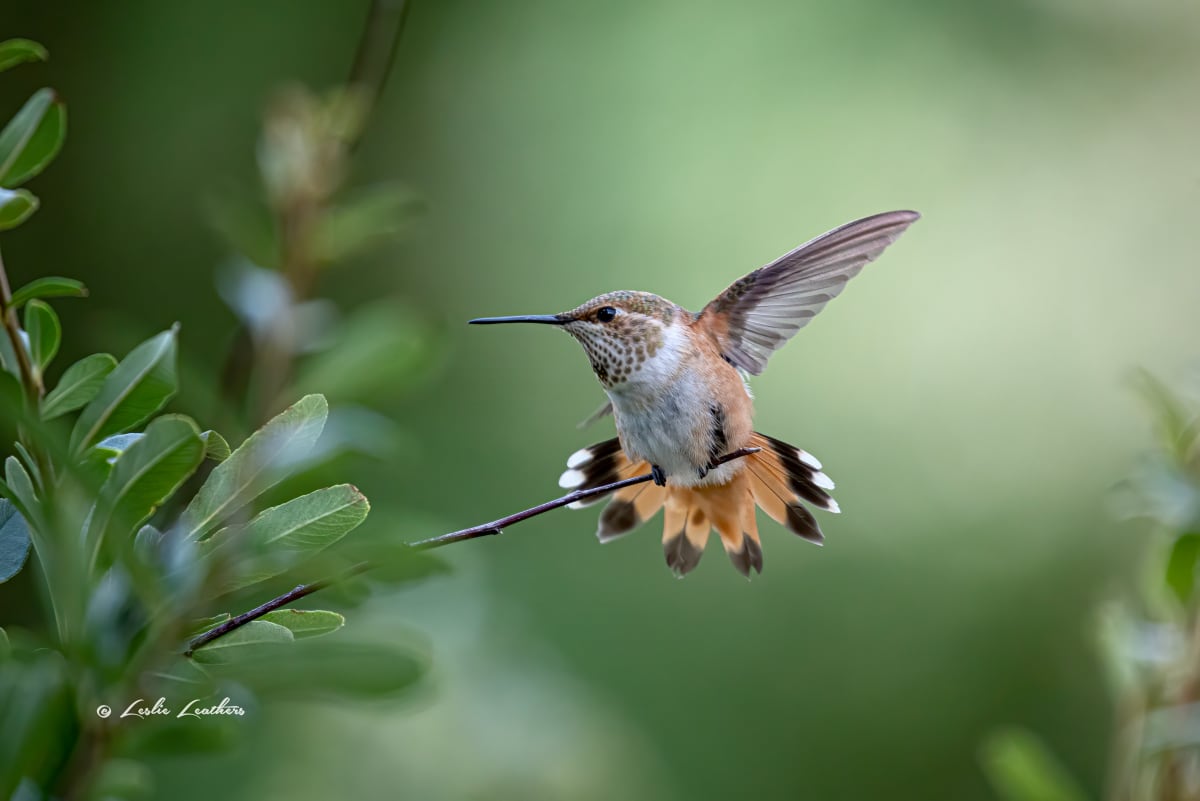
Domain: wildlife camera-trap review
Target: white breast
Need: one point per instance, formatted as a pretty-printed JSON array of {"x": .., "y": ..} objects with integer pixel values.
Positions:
[{"x": 664, "y": 410}]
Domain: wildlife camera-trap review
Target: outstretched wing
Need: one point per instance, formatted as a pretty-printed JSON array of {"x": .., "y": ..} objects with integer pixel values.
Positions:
[{"x": 758, "y": 313}]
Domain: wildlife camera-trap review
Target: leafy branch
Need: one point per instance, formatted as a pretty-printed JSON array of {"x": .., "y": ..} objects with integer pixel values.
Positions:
[{"x": 462, "y": 535}]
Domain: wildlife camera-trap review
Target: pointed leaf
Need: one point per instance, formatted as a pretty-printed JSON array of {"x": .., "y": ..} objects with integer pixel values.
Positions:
[
  {"x": 139, "y": 386},
  {"x": 256, "y": 639},
  {"x": 14, "y": 541},
  {"x": 16, "y": 206},
  {"x": 259, "y": 463},
  {"x": 20, "y": 51},
  {"x": 30, "y": 463},
  {"x": 280, "y": 537},
  {"x": 78, "y": 386},
  {"x": 21, "y": 487},
  {"x": 32, "y": 138},
  {"x": 306, "y": 622},
  {"x": 51, "y": 286},
  {"x": 145, "y": 475},
  {"x": 44, "y": 332}
]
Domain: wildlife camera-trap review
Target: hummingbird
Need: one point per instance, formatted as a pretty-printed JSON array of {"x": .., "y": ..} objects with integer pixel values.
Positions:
[{"x": 678, "y": 391}]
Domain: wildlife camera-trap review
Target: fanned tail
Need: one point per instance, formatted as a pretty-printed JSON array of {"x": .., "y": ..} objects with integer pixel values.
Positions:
[
  {"x": 780, "y": 478},
  {"x": 604, "y": 463},
  {"x": 784, "y": 478}
]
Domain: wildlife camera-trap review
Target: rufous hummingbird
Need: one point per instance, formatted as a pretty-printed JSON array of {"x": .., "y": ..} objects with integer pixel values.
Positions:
[{"x": 677, "y": 388}]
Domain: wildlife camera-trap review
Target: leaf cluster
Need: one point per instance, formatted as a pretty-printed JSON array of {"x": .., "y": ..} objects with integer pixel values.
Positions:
[{"x": 141, "y": 530}]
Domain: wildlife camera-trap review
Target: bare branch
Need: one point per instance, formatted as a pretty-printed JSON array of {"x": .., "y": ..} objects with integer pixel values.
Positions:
[{"x": 483, "y": 530}]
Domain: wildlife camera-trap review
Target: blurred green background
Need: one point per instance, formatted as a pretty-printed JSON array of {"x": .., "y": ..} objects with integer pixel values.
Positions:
[{"x": 969, "y": 393}]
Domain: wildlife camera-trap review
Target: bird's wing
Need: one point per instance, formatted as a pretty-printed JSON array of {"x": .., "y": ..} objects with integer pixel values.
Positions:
[
  {"x": 761, "y": 311},
  {"x": 596, "y": 416}
]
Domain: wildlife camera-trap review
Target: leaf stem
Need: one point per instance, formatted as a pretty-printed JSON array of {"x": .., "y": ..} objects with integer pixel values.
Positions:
[
  {"x": 482, "y": 530},
  {"x": 32, "y": 383}
]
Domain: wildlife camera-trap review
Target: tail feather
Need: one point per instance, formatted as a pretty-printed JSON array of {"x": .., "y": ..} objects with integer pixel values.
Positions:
[
  {"x": 779, "y": 478},
  {"x": 604, "y": 463},
  {"x": 685, "y": 533}
]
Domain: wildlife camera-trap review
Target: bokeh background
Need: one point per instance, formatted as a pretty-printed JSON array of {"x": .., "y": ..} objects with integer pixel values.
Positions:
[{"x": 969, "y": 393}]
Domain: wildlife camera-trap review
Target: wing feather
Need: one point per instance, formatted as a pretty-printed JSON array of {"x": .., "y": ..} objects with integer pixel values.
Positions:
[{"x": 761, "y": 311}]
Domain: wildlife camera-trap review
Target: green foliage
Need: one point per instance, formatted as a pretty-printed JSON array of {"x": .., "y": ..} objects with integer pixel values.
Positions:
[
  {"x": 1149, "y": 648},
  {"x": 32, "y": 138},
  {"x": 41, "y": 323},
  {"x": 161, "y": 538},
  {"x": 306, "y": 622},
  {"x": 1021, "y": 768},
  {"x": 52, "y": 286},
  {"x": 262, "y": 461},
  {"x": 16, "y": 206},
  {"x": 253, "y": 638},
  {"x": 145, "y": 475},
  {"x": 282, "y": 536},
  {"x": 139, "y": 386},
  {"x": 79, "y": 385},
  {"x": 14, "y": 541},
  {"x": 20, "y": 51}
]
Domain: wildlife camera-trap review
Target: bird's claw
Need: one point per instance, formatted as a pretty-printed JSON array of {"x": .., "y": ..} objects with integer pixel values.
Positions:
[
  {"x": 658, "y": 476},
  {"x": 703, "y": 471}
]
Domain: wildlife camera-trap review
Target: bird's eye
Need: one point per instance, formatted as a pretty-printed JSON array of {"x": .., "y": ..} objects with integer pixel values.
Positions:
[{"x": 605, "y": 314}]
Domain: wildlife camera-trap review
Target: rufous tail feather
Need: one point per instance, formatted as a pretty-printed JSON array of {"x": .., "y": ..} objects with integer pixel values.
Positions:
[{"x": 780, "y": 478}]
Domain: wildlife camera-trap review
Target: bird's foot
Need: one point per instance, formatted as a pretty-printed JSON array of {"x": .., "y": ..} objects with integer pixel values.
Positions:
[
  {"x": 658, "y": 476},
  {"x": 703, "y": 471}
]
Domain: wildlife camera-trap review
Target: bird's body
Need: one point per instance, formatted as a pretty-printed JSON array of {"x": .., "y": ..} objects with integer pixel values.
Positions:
[{"x": 676, "y": 386}]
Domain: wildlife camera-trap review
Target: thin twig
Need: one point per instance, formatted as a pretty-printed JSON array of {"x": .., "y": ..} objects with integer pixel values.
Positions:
[
  {"x": 294, "y": 594},
  {"x": 33, "y": 385},
  {"x": 377, "y": 52},
  {"x": 483, "y": 530}
]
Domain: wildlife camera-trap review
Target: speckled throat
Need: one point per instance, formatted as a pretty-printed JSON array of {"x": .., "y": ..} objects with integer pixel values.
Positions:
[{"x": 619, "y": 349}]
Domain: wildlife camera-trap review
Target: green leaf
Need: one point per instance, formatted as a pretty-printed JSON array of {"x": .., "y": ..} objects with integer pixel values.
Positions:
[
  {"x": 1181, "y": 566},
  {"x": 78, "y": 386},
  {"x": 333, "y": 668},
  {"x": 32, "y": 138},
  {"x": 259, "y": 463},
  {"x": 22, "y": 489},
  {"x": 30, "y": 463},
  {"x": 281, "y": 536},
  {"x": 1021, "y": 768},
  {"x": 16, "y": 206},
  {"x": 215, "y": 446},
  {"x": 147, "y": 473},
  {"x": 139, "y": 386},
  {"x": 51, "y": 286},
  {"x": 5, "y": 645},
  {"x": 45, "y": 331},
  {"x": 20, "y": 51},
  {"x": 306, "y": 622},
  {"x": 256, "y": 639},
  {"x": 14, "y": 541},
  {"x": 204, "y": 624}
]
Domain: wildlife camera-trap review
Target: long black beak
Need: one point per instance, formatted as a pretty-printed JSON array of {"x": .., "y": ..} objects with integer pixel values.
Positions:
[{"x": 545, "y": 319}]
